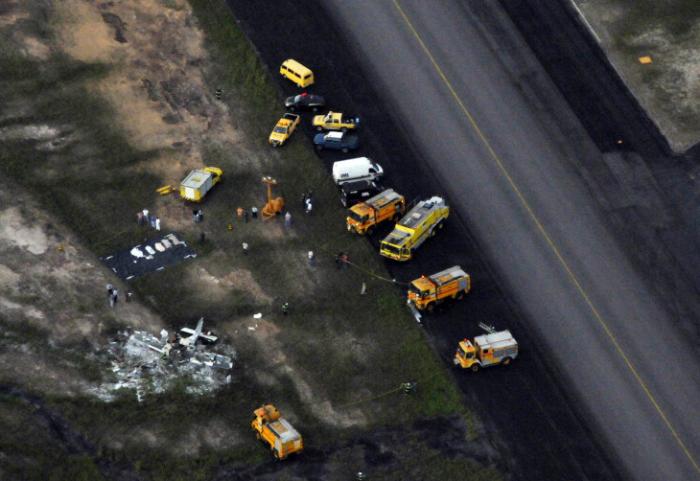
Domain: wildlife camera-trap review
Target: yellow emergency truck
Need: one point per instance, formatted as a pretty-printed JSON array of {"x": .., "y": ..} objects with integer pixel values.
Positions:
[
  {"x": 363, "y": 217},
  {"x": 426, "y": 292},
  {"x": 272, "y": 429},
  {"x": 421, "y": 222},
  {"x": 489, "y": 349}
]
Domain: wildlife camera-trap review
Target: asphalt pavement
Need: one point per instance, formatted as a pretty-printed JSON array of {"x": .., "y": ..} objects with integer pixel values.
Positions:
[{"x": 573, "y": 406}]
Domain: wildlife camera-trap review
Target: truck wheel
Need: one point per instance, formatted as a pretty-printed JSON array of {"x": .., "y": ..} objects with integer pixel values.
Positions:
[
  {"x": 345, "y": 150},
  {"x": 344, "y": 129},
  {"x": 369, "y": 230},
  {"x": 319, "y": 147},
  {"x": 257, "y": 436},
  {"x": 506, "y": 361},
  {"x": 314, "y": 109},
  {"x": 430, "y": 307},
  {"x": 433, "y": 232},
  {"x": 460, "y": 296},
  {"x": 319, "y": 128},
  {"x": 475, "y": 368}
]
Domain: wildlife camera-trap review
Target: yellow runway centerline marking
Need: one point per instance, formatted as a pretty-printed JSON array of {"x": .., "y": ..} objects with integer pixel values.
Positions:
[{"x": 547, "y": 238}]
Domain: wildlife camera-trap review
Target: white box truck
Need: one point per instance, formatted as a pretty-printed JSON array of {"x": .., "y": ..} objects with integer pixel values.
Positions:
[{"x": 360, "y": 168}]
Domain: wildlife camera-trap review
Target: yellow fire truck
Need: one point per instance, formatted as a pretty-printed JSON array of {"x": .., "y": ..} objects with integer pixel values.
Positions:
[
  {"x": 489, "y": 349},
  {"x": 410, "y": 232},
  {"x": 426, "y": 292},
  {"x": 272, "y": 429},
  {"x": 363, "y": 217}
]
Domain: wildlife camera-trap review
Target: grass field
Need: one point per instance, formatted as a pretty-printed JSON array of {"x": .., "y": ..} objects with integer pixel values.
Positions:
[{"x": 336, "y": 354}]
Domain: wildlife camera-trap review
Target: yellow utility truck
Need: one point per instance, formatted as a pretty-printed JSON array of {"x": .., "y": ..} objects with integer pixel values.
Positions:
[
  {"x": 363, "y": 217},
  {"x": 284, "y": 129},
  {"x": 335, "y": 121},
  {"x": 421, "y": 222},
  {"x": 490, "y": 349},
  {"x": 426, "y": 292},
  {"x": 198, "y": 182},
  {"x": 272, "y": 429}
]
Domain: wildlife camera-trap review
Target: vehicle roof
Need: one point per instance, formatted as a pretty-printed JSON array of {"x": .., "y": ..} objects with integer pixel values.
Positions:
[
  {"x": 495, "y": 340},
  {"x": 297, "y": 66},
  {"x": 336, "y": 136},
  {"x": 397, "y": 237},
  {"x": 195, "y": 179},
  {"x": 284, "y": 430},
  {"x": 416, "y": 215},
  {"x": 383, "y": 198},
  {"x": 449, "y": 274}
]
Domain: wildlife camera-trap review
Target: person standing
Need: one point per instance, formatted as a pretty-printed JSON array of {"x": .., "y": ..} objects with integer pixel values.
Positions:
[{"x": 288, "y": 220}]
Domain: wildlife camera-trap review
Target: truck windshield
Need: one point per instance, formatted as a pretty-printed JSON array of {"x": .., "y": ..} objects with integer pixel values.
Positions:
[
  {"x": 418, "y": 292},
  {"x": 358, "y": 218},
  {"x": 281, "y": 130},
  {"x": 465, "y": 354},
  {"x": 391, "y": 248}
]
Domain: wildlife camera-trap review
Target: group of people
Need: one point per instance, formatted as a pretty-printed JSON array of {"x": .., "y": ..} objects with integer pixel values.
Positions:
[{"x": 146, "y": 218}]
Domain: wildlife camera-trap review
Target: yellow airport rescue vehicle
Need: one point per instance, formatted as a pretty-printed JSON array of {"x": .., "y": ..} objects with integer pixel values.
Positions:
[
  {"x": 335, "y": 121},
  {"x": 363, "y": 217},
  {"x": 490, "y": 349},
  {"x": 421, "y": 222},
  {"x": 284, "y": 129},
  {"x": 272, "y": 429},
  {"x": 426, "y": 292},
  {"x": 198, "y": 182}
]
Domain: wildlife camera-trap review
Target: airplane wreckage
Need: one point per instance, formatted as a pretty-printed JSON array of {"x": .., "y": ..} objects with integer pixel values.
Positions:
[{"x": 149, "y": 364}]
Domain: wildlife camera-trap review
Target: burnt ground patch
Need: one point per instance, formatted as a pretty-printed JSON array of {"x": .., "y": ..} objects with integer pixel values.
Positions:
[{"x": 526, "y": 410}]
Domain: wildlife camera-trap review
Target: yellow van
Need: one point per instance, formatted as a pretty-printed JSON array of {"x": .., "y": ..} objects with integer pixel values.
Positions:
[{"x": 297, "y": 73}]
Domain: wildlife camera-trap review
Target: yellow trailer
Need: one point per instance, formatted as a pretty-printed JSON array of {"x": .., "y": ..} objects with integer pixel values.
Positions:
[
  {"x": 272, "y": 429},
  {"x": 414, "y": 228},
  {"x": 198, "y": 182}
]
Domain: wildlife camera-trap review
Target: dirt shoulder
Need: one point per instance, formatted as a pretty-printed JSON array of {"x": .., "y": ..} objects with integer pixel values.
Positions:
[{"x": 655, "y": 46}]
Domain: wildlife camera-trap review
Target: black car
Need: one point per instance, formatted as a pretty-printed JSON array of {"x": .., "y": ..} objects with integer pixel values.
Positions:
[
  {"x": 305, "y": 102},
  {"x": 359, "y": 191}
]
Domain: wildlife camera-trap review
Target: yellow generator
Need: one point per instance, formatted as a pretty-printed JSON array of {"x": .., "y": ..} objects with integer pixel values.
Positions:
[
  {"x": 489, "y": 349},
  {"x": 275, "y": 431},
  {"x": 426, "y": 292},
  {"x": 414, "y": 228},
  {"x": 198, "y": 182}
]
